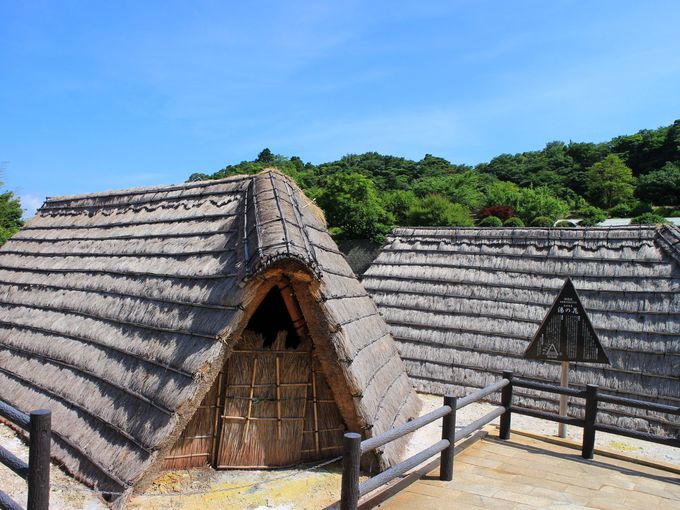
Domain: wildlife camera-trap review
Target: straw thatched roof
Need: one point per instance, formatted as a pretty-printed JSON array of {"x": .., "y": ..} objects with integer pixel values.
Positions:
[
  {"x": 463, "y": 305},
  {"x": 117, "y": 310}
]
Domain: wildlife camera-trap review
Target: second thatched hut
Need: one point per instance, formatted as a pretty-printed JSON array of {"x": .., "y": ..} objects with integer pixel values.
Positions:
[{"x": 464, "y": 303}]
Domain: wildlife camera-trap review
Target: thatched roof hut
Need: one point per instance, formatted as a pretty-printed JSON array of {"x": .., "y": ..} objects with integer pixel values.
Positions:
[
  {"x": 205, "y": 323},
  {"x": 463, "y": 305}
]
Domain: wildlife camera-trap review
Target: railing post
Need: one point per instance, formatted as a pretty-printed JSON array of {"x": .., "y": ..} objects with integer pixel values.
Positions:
[
  {"x": 589, "y": 425},
  {"x": 506, "y": 402},
  {"x": 449, "y": 433},
  {"x": 351, "y": 461},
  {"x": 40, "y": 438}
]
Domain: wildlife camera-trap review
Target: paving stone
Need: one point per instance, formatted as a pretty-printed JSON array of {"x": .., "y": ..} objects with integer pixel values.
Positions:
[
  {"x": 526, "y": 499},
  {"x": 494, "y": 475}
]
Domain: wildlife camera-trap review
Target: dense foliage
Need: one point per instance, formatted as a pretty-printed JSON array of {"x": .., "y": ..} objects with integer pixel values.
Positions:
[
  {"x": 10, "y": 215},
  {"x": 364, "y": 195}
]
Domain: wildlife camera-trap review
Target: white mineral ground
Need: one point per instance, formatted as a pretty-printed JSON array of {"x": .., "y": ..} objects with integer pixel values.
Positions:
[{"x": 207, "y": 489}]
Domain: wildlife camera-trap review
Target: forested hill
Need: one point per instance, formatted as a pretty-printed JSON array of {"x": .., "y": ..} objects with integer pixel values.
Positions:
[{"x": 365, "y": 195}]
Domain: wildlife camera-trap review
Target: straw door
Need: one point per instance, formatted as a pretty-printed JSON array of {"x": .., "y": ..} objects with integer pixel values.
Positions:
[{"x": 265, "y": 396}]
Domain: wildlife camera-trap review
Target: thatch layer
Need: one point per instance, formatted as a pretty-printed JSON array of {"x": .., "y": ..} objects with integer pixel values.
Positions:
[
  {"x": 463, "y": 305},
  {"x": 117, "y": 310}
]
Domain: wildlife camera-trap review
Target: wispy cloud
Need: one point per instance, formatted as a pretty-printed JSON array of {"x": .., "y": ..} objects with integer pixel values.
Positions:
[{"x": 30, "y": 203}]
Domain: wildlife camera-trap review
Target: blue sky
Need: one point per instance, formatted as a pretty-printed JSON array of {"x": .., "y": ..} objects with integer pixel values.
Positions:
[{"x": 101, "y": 95}]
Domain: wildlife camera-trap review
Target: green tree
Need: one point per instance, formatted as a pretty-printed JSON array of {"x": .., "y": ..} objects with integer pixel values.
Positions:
[
  {"x": 353, "y": 208},
  {"x": 265, "y": 156},
  {"x": 503, "y": 193},
  {"x": 10, "y": 216},
  {"x": 540, "y": 203},
  {"x": 436, "y": 210},
  {"x": 591, "y": 215},
  {"x": 648, "y": 218},
  {"x": 398, "y": 202},
  {"x": 610, "y": 182},
  {"x": 661, "y": 187}
]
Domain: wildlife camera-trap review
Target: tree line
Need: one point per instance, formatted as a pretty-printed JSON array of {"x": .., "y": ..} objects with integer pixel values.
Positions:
[{"x": 365, "y": 195}]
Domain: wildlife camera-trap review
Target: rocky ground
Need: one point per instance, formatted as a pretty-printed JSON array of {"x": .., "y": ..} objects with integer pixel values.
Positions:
[{"x": 308, "y": 487}]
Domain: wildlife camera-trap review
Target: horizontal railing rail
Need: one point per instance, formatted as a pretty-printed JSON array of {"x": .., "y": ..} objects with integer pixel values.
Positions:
[
  {"x": 589, "y": 423},
  {"x": 354, "y": 447},
  {"x": 37, "y": 471}
]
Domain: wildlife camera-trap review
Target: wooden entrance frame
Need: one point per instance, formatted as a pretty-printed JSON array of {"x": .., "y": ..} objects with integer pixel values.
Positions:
[{"x": 300, "y": 293}]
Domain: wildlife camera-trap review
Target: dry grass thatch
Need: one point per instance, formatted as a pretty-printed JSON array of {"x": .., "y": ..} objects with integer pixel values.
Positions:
[
  {"x": 463, "y": 305},
  {"x": 118, "y": 309}
]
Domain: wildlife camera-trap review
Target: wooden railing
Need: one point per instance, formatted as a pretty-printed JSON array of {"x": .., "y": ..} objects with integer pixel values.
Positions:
[
  {"x": 354, "y": 447},
  {"x": 589, "y": 423},
  {"x": 37, "y": 471}
]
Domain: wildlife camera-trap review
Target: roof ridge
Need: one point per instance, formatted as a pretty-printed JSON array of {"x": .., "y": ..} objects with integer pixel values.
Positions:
[
  {"x": 272, "y": 247},
  {"x": 143, "y": 190},
  {"x": 618, "y": 233}
]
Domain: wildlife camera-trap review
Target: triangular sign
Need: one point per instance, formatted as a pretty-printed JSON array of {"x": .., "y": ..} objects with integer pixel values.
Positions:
[{"x": 566, "y": 333}]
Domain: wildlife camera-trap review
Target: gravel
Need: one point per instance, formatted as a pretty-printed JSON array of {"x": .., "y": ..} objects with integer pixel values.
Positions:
[{"x": 623, "y": 445}]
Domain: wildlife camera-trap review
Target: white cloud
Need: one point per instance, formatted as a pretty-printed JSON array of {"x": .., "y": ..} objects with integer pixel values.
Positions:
[{"x": 29, "y": 203}]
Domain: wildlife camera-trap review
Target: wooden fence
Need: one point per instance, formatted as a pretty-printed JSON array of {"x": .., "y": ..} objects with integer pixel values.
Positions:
[
  {"x": 37, "y": 471},
  {"x": 354, "y": 447},
  {"x": 589, "y": 423}
]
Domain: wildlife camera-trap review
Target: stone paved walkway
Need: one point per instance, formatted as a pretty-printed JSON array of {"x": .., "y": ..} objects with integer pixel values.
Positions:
[{"x": 526, "y": 473}]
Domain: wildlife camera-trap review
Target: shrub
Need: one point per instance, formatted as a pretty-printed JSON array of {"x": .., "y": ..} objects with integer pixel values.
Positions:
[
  {"x": 641, "y": 208},
  {"x": 502, "y": 212},
  {"x": 591, "y": 216},
  {"x": 663, "y": 211},
  {"x": 648, "y": 218},
  {"x": 541, "y": 221},
  {"x": 436, "y": 210},
  {"x": 620, "y": 211},
  {"x": 514, "y": 221},
  {"x": 491, "y": 221}
]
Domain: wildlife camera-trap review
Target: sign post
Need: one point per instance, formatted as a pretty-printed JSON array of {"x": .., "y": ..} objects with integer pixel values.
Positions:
[
  {"x": 564, "y": 382},
  {"x": 566, "y": 334}
]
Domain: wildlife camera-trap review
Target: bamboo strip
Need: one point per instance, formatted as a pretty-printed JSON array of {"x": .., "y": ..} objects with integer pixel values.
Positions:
[
  {"x": 286, "y": 237},
  {"x": 124, "y": 237},
  {"x": 261, "y": 418},
  {"x": 323, "y": 448},
  {"x": 309, "y": 247},
  {"x": 268, "y": 351},
  {"x": 115, "y": 294},
  {"x": 278, "y": 396},
  {"x": 250, "y": 402},
  {"x": 216, "y": 416},
  {"x": 154, "y": 191},
  {"x": 522, "y": 256},
  {"x": 315, "y": 407},
  {"x": 187, "y": 456},
  {"x": 140, "y": 255},
  {"x": 270, "y": 385},
  {"x": 530, "y": 272},
  {"x": 334, "y": 429}
]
